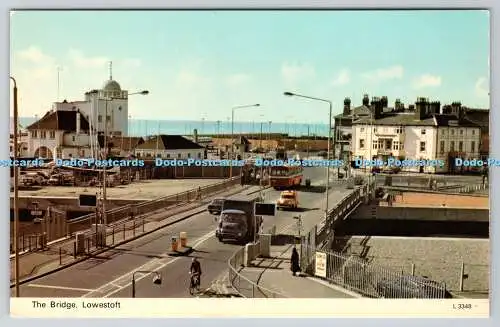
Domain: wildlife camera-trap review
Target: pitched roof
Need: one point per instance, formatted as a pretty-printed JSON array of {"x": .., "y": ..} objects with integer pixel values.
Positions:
[
  {"x": 169, "y": 142},
  {"x": 411, "y": 119},
  {"x": 60, "y": 120},
  {"x": 479, "y": 116},
  {"x": 125, "y": 143}
]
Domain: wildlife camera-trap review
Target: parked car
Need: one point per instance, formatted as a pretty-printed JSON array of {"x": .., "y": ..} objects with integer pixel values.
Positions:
[
  {"x": 31, "y": 179},
  {"x": 215, "y": 207},
  {"x": 407, "y": 287}
]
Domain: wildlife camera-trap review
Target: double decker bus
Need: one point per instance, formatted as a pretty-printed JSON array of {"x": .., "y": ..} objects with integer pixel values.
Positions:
[{"x": 286, "y": 177}]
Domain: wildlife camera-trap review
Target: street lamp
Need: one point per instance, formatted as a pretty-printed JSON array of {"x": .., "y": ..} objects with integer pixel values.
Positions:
[
  {"x": 329, "y": 140},
  {"x": 104, "y": 171},
  {"x": 232, "y": 134},
  {"x": 16, "y": 192},
  {"x": 156, "y": 278}
]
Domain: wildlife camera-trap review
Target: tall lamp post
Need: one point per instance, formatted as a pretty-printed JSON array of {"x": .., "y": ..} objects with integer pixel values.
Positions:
[
  {"x": 16, "y": 192},
  {"x": 232, "y": 134},
  {"x": 104, "y": 171},
  {"x": 329, "y": 141}
]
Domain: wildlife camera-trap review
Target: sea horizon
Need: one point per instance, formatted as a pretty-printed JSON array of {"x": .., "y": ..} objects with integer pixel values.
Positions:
[{"x": 143, "y": 127}]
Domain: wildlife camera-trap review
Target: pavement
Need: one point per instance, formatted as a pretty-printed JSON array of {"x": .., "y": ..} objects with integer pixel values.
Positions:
[
  {"x": 140, "y": 190},
  {"x": 109, "y": 274}
]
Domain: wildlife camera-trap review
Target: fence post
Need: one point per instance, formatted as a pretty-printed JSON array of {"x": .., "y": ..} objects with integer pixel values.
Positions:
[
  {"x": 113, "y": 237},
  {"x": 88, "y": 245},
  {"x": 74, "y": 250},
  {"x": 23, "y": 241},
  {"x": 412, "y": 269},
  {"x": 29, "y": 243},
  {"x": 123, "y": 231},
  {"x": 461, "y": 284},
  {"x": 60, "y": 256},
  {"x": 133, "y": 226}
]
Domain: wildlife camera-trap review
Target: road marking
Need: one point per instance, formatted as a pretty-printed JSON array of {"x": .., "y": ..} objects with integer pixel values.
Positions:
[
  {"x": 61, "y": 288},
  {"x": 153, "y": 265}
]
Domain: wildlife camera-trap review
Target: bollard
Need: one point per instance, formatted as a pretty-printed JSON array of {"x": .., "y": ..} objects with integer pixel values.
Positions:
[
  {"x": 183, "y": 238},
  {"x": 174, "y": 244}
]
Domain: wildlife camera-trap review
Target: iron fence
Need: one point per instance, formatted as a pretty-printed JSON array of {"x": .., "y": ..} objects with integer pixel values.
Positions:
[
  {"x": 357, "y": 274},
  {"x": 243, "y": 284}
]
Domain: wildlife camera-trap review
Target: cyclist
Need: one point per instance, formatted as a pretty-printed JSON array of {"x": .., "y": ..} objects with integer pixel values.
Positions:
[{"x": 195, "y": 270}]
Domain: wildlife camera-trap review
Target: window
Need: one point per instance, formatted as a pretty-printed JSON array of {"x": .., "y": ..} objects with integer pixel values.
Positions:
[
  {"x": 423, "y": 131},
  {"x": 43, "y": 134},
  {"x": 168, "y": 155},
  {"x": 452, "y": 132},
  {"x": 395, "y": 145},
  {"x": 374, "y": 145},
  {"x": 178, "y": 155},
  {"x": 452, "y": 146},
  {"x": 362, "y": 129},
  {"x": 473, "y": 132},
  {"x": 199, "y": 155},
  {"x": 33, "y": 134},
  {"x": 189, "y": 155},
  {"x": 52, "y": 134},
  {"x": 73, "y": 138},
  {"x": 108, "y": 118},
  {"x": 361, "y": 144},
  {"x": 472, "y": 146},
  {"x": 375, "y": 130},
  {"x": 399, "y": 130},
  {"x": 388, "y": 144},
  {"x": 422, "y": 146},
  {"x": 441, "y": 147},
  {"x": 461, "y": 132},
  {"x": 11, "y": 147},
  {"x": 99, "y": 118},
  {"x": 460, "y": 146}
]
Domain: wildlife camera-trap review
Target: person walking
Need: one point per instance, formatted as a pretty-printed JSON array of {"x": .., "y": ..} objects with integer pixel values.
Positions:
[{"x": 294, "y": 262}]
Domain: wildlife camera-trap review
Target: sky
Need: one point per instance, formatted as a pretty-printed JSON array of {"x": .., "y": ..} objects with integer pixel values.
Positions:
[{"x": 199, "y": 64}]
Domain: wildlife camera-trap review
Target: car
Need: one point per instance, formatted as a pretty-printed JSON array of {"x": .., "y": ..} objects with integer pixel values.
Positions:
[
  {"x": 288, "y": 199},
  {"x": 416, "y": 287},
  {"x": 215, "y": 206}
]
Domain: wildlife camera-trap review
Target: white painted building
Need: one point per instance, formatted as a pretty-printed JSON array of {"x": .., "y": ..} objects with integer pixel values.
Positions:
[
  {"x": 59, "y": 134},
  {"x": 421, "y": 135},
  {"x": 169, "y": 147}
]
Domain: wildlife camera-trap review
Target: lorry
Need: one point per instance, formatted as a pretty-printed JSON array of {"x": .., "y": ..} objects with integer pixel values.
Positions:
[{"x": 237, "y": 220}]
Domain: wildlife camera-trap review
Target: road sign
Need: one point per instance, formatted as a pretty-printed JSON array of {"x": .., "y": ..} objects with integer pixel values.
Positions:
[
  {"x": 320, "y": 267},
  {"x": 36, "y": 212}
]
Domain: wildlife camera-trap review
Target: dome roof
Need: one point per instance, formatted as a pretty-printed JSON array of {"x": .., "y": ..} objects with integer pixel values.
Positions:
[{"x": 111, "y": 86}]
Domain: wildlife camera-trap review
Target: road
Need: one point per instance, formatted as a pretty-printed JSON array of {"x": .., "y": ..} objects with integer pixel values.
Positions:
[{"x": 109, "y": 275}]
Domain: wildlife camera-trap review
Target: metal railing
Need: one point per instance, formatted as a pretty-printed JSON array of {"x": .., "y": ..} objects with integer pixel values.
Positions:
[
  {"x": 243, "y": 285},
  {"x": 372, "y": 280}
]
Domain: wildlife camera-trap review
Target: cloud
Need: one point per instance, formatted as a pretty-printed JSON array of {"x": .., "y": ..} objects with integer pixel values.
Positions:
[
  {"x": 34, "y": 55},
  {"x": 293, "y": 73},
  {"x": 383, "y": 74},
  {"x": 79, "y": 59},
  {"x": 238, "y": 79},
  {"x": 482, "y": 87},
  {"x": 132, "y": 62},
  {"x": 427, "y": 80},
  {"x": 343, "y": 78}
]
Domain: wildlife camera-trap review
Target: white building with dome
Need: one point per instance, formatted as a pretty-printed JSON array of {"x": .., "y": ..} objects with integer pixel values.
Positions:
[{"x": 105, "y": 108}]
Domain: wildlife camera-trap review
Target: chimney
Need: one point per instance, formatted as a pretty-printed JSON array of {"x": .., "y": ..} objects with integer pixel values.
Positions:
[
  {"x": 366, "y": 100},
  {"x": 195, "y": 135},
  {"x": 435, "y": 107},
  {"x": 376, "y": 107},
  {"x": 78, "y": 122},
  {"x": 421, "y": 108},
  {"x": 347, "y": 106},
  {"x": 455, "y": 108},
  {"x": 384, "y": 101},
  {"x": 397, "y": 104}
]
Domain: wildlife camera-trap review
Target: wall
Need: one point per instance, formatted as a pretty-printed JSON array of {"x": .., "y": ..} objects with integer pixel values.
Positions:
[
  {"x": 302, "y": 144},
  {"x": 407, "y": 213},
  {"x": 65, "y": 203},
  {"x": 456, "y": 135},
  {"x": 171, "y": 154}
]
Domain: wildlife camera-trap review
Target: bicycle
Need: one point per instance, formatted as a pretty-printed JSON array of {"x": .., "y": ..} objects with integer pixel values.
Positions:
[{"x": 194, "y": 283}]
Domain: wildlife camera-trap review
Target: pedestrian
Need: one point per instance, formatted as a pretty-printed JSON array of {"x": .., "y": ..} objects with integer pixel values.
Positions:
[{"x": 294, "y": 261}]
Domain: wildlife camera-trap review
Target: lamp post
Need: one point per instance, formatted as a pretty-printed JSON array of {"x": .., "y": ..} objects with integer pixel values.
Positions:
[
  {"x": 104, "y": 171},
  {"x": 329, "y": 141},
  {"x": 232, "y": 134},
  {"x": 156, "y": 279},
  {"x": 16, "y": 192}
]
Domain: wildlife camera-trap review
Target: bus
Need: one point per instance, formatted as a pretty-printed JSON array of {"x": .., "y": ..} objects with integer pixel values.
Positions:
[{"x": 286, "y": 177}]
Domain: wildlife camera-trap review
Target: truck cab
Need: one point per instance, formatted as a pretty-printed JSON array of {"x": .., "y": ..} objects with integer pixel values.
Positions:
[
  {"x": 288, "y": 199},
  {"x": 237, "y": 220}
]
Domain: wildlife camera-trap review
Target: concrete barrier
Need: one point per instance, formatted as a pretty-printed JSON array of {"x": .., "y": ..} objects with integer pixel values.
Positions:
[{"x": 265, "y": 245}]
